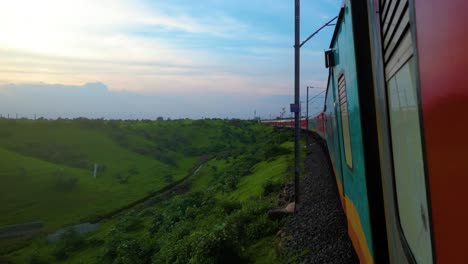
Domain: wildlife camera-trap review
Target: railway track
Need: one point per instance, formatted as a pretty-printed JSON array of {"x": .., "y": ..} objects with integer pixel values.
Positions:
[{"x": 317, "y": 233}]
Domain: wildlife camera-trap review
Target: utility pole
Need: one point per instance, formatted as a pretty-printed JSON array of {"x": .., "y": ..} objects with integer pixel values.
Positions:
[
  {"x": 297, "y": 111},
  {"x": 297, "y": 14},
  {"x": 307, "y": 108}
]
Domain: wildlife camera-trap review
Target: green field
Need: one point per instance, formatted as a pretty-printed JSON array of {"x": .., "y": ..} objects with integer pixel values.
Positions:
[{"x": 47, "y": 175}]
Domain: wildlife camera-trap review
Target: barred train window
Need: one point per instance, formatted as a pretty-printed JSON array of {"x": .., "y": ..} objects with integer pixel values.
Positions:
[
  {"x": 344, "y": 120},
  {"x": 408, "y": 163}
]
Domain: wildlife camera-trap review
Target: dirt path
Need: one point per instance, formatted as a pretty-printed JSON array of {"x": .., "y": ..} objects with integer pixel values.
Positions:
[{"x": 177, "y": 187}]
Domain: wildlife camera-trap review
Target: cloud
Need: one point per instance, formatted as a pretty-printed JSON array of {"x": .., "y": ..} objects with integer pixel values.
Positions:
[
  {"x": 87, "y": 28},
  {"x": 95, "y": 100},
  {"x": 72, "y": 42},
  {"x": 188, "y": 49}
]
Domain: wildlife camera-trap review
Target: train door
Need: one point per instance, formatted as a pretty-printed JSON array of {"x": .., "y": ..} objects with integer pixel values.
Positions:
[{"x": 401, "y": 150}]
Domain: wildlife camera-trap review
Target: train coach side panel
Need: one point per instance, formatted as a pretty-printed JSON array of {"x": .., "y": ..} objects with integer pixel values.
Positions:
[
  {"x": 442, "y": 40},
  {"x": 346, "y": 106}
]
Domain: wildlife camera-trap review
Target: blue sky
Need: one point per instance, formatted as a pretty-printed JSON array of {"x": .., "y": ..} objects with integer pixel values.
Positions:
[{"x": 230, "y": 51}]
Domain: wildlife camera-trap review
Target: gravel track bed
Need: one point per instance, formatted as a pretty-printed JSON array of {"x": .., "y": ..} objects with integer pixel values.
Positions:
[{"x": 317, "y": 232}]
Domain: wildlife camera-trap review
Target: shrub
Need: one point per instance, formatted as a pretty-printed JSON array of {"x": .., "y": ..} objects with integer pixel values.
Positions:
[
  {"x": 94, "y": 242},
  {"x": 69, "y": 242},
  {"x": 156, "y": 223},
  {"x": 102, "y": 168},
  {"x": 122, "y": 179},
  {"x": 260, "y": 228},
  {"x": 147, "y": 212},
  {"x": 271, "y": 187},
  {"x": 176, "y": 210},
  {"x": 129, "y": 222},
  {"x": 217, "y": 247},
  {"x": 168, "y": 178},
  {"x": 36, "y": 258},
  {"x": 230, "y": 182},
  {"x": 230, "y": 206},
  {"x": 131, "y": 251},
  {"x": 120, "y": 248},
  {"x": 250, "y": 223},
  {"x": 179, "y": 252},
  {"x": 274, "y": 151},
  {"x": 64, "y": 183},
  {"x": 133, "y": 171},
  {"x": 165, "y": 157}
]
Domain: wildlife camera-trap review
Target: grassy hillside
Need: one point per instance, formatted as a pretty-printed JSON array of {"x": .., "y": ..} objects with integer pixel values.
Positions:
[
  {"x": 47, "y": 166},
  {"x": 46, "y": 175}
]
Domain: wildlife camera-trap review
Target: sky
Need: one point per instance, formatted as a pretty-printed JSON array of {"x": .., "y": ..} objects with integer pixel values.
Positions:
[{"x": 144, "y": 59}]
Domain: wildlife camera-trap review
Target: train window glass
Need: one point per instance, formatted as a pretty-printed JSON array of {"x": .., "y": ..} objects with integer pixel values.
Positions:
[
  {"x": 408, "y": 161},
  {"x": 344, "y": 120}
]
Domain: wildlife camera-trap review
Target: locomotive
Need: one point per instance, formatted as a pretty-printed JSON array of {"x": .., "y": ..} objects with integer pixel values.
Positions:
[{"x": 394, "y": 121}]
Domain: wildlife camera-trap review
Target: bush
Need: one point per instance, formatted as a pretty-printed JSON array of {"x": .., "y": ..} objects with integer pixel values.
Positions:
[
  {"x": 133, "y": 171},
  {"x": 129, "y": 222},
  {"x": 64, "y": 183},
  {"x": 156, "y": 223},
  {"x": 272, "y": 151},
  {"x": 230, "y": 206},
  {"x": 168, "y": 178},
  {"x": 181, "y": 251},
  {"x": 176, "y": 210},
  {"x": 120, "y": 248},
  {"x": 102, "y": 168},
  {"x": 165, "y": 158},
  {"x": 250, "y": 223},
  {"x": 259, "y": 228},
  {"x": 217, "y": 247},
  {"x": 271, "y": 187},
  {"x": 122, "y": 179},
  {"x": 230, "y": 181},
  {"x": 69, "y": 242},
  {"x": 147, "y": 212},
  {"x": 36, "y": 258}
]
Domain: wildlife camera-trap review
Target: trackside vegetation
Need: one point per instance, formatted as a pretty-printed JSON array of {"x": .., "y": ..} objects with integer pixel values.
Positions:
[{"x": 172, "y": 191}]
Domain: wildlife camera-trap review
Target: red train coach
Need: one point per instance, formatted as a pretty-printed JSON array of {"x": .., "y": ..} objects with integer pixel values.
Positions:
[
  {"x": 432, "y": 58},
  {"x": 320, "y": 124},
  {"x": 286, "y": 123}
]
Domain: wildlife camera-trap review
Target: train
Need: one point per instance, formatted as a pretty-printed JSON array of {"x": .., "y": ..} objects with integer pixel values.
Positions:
[{"x": 394, "y": 122}]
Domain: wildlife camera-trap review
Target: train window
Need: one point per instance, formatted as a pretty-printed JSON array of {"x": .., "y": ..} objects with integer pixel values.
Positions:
[
  {"x": 408, "y": 161},
  {"x": 344, "y": 120}
]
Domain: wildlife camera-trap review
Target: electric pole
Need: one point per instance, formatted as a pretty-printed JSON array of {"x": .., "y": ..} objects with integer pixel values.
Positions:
[{"x": 297, "y": 14}]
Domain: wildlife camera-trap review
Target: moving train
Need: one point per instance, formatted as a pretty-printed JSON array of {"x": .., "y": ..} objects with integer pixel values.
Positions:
[{"x": 395, "y": 119}]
